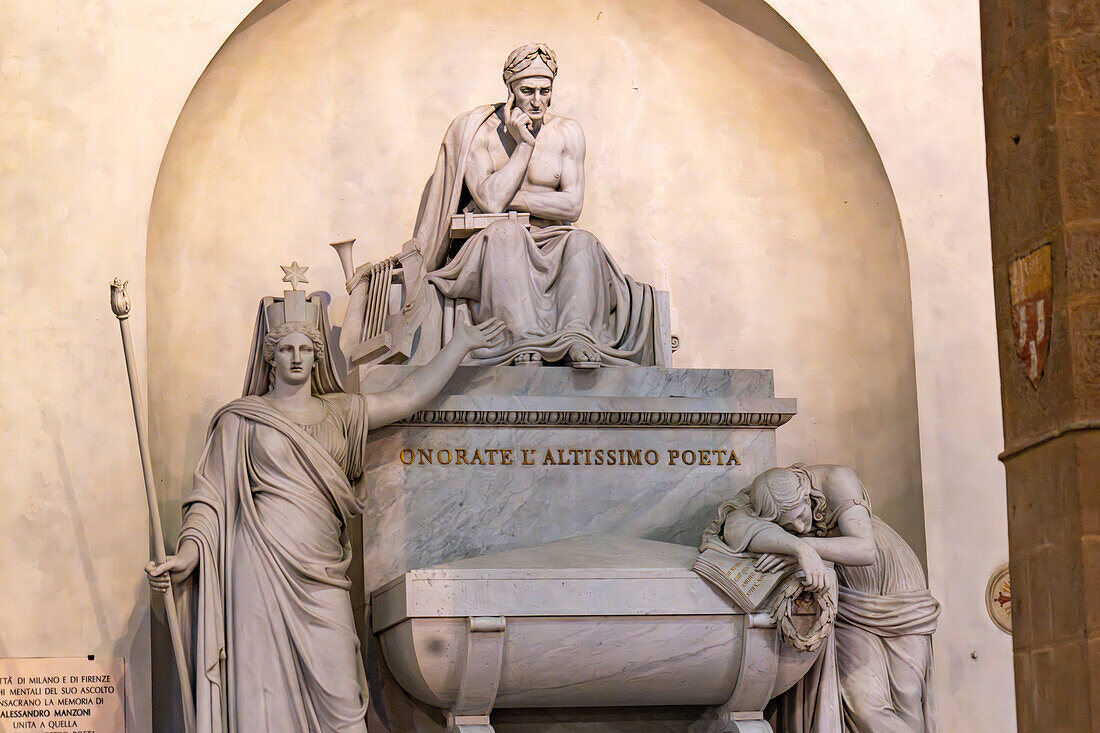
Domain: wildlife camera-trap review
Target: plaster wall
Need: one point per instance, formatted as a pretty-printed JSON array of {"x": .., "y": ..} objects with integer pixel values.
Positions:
[{"x": 91, "y": 93}]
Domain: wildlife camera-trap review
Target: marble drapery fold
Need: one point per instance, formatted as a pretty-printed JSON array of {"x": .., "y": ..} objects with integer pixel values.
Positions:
[
  {"x": 885, "y": 620},
  {"x": 274, "y": 647}
]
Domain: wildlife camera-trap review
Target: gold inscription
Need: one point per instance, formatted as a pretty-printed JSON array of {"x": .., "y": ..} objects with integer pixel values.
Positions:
[{"x": 604, "y": 457}]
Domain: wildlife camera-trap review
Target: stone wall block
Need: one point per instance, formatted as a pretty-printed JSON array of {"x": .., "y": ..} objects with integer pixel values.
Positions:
[
  {"x": 1051, "y": 670},
  {"x": 1021, "y": 94},
  {"x": 1019, "y": 117},
  {"x": 1088, "y": 467},
  {"x": 1075, "y": 61},
  {"x": 1093, "y": 651},
  {"x": 1011, "y": 28},
  {"x": 1023, "y": 501},
  {"x": 1020, "y": 572},
  {"x": 1090, "y": 567},
  {"x": 1068, "y": 616},
  {"x": 1025, "y": 204},
  {"x": 1079, "y": 159},
  {"x": 1040, "y": 593},
  {"x": 1062, "y": 527},
  {"x": 1057, "y": 483},
  {"x": 1057, "y": 388},
  {"x": 1085, "y": 356},
  {"x": 1083, "y": 261},
  {"x": 1027, "y": 713},
  {"x": 1044, "y": 543},
  {"x": 1069, "y": 17}
]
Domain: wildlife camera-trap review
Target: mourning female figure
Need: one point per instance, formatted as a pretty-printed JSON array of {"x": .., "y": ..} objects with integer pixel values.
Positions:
[
  {"x": 263, "y": 552},
  {"x": 880, "y": 664}
]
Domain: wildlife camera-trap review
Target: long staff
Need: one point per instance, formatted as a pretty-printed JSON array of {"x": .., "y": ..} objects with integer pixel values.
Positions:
[{"x": 120, "y": 304}]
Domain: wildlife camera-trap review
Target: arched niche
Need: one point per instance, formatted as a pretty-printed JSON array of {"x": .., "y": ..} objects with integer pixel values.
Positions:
[{"x": 725, "y": 164}]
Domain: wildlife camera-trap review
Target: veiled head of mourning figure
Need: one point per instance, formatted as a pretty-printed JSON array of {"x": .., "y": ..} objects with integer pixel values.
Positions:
[
  {"x": 529, "y": 75},
  {"x": 293, "y": 349},
  {"x": 782, "y": 495}
]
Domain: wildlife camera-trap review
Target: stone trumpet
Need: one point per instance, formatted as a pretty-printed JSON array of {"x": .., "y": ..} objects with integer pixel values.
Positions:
[{"x": 343, "y": 251}]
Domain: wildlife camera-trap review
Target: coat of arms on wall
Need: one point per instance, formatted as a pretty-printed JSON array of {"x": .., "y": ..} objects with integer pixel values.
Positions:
[{"x": 1030, "y": 284}]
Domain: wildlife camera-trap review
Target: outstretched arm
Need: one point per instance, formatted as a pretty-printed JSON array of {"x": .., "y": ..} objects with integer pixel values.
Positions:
[{"x": 415, "y": 391}]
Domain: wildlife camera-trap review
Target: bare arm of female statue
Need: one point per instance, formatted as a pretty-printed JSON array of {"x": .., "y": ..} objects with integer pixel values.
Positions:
[
  {"x": 418, "y": 388},
  {"x": 776, "y": 541},
  {"x": 854, "y": 546},
  {"x": 854, "y": 543},
  {"x": 382, "y": 409}
]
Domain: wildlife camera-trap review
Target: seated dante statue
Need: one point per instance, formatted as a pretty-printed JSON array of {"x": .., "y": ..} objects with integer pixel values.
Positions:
[{"x": 555, "y": 286}]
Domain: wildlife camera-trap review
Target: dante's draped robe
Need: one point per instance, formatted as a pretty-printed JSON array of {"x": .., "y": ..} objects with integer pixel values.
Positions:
[
  {"x": 553, "y": 286},
  {"x": 274, "y": 647}
]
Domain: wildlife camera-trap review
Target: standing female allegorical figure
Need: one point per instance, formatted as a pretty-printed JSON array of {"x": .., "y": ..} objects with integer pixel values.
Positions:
[{"x": 263, "y": 552}]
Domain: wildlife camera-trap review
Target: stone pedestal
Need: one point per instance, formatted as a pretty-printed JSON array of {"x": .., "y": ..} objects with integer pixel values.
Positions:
[{"x": 510, "y": 457}]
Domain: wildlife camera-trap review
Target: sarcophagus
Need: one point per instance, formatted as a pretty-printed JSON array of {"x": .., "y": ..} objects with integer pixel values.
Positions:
[{"x": 591, "y": 621}]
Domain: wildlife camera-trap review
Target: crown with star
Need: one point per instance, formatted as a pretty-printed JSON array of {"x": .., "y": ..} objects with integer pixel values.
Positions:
[{"x": 294, "y": 305}]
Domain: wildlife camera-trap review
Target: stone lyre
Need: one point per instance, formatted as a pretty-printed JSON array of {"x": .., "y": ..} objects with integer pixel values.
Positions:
[{"x": 376, "y": 279}]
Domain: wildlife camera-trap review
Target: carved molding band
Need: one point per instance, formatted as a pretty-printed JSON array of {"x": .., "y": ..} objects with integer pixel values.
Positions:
[{"x": 582, "y": 418}]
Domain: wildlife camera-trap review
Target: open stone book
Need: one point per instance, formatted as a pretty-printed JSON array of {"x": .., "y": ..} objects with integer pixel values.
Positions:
[{"x": 736, "y": 575}]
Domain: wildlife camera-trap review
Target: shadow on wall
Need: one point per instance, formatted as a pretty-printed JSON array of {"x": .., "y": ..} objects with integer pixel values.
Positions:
[
  {"x": 51, "y": 425},
  {"x": 130, "y": 645}
]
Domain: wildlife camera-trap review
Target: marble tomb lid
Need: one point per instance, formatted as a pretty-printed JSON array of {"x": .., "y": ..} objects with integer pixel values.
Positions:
[{"x": 604, "y": 575}]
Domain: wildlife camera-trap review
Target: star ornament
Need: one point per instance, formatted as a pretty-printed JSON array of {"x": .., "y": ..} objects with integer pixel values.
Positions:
[{"x": 295, "y": 274}]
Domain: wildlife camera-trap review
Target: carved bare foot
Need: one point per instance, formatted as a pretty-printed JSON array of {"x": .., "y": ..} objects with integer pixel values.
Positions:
[
  {"x": 584, "y": 356},
  {"x": 527, "y": 358}
]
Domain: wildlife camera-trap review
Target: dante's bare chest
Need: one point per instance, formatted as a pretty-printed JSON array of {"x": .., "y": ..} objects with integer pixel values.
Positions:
[{"x": 544, "y": 169}]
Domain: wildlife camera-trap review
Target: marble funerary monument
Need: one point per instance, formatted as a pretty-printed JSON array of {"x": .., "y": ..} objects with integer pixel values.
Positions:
[{"x": 534, "y": 482}]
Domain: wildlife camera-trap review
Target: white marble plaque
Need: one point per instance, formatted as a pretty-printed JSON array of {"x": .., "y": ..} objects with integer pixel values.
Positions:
[{"x": 67, "y": 694}]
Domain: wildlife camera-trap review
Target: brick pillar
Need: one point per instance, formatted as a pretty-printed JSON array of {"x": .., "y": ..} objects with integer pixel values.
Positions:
[{"x": 1042, "y": 107}]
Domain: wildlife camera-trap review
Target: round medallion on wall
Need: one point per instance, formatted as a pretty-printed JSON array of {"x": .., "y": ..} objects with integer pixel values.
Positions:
[{"x": 998, "y": 599}]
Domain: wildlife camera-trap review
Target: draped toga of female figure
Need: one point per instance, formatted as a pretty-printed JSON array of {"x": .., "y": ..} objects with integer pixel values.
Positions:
[
  {"x": 263, "y": 552},
  {"x": 876, "y": 674}
]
